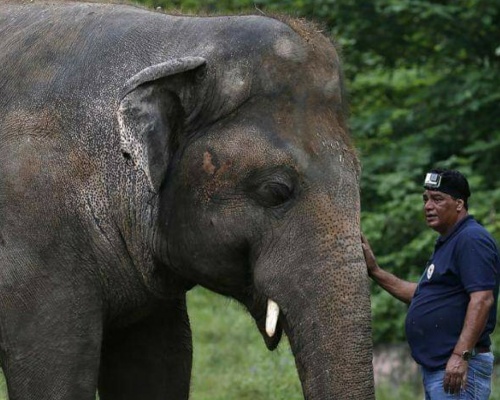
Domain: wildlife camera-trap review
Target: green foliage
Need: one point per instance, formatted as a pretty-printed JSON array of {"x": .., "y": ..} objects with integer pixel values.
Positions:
[{"x": 3, "y": 388}]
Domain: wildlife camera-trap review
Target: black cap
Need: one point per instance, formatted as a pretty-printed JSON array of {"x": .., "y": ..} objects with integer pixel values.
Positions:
[{"x": 448, "y": 181}]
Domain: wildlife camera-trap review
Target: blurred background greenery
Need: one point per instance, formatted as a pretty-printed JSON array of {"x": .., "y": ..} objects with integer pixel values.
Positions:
[{"x": 424, "y": 84}]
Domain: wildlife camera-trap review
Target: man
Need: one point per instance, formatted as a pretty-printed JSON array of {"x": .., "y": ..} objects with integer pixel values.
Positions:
[{"x": 453, "y": 308}]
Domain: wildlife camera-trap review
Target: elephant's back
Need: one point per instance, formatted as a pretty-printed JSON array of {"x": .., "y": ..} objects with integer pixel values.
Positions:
[
  {"x": 57, "y": 125},
  {"x": 63, "y": 66},
  {"x": 71, "y": 53},
  {"x": 87, "y": 51}
]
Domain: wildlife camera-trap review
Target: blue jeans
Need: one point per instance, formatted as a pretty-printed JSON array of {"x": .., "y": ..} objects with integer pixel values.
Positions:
[{"x": 478, "y": 381}]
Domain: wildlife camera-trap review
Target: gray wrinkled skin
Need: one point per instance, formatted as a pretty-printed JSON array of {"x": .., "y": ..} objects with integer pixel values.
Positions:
[{"x": 142, "y": 154}]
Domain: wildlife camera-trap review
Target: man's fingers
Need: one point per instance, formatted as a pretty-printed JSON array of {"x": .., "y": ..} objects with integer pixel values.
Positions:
[
  {"x": 453, "y": 383},
  {"x": 464, "y": 380},
  {"x": 447, "y": 382}
]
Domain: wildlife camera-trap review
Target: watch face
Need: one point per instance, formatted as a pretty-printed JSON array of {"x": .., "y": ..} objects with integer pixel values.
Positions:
[{"x": 466, "y": 355}]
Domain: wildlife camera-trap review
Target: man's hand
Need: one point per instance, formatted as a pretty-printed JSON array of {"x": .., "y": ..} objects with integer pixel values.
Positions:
[
  {"x": 400, "y": 289},
  {"x": 476, "y": 317},
  {"x": 371, "y": 262},
  {"x": 455, "y": 377}
]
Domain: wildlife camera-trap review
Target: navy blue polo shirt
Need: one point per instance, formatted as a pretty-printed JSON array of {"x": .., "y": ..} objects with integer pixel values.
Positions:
[{"x": 464, "y": 261}]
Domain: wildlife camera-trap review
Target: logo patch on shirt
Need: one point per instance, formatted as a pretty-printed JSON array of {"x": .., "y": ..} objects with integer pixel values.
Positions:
[{"x": 430, "y": 271}]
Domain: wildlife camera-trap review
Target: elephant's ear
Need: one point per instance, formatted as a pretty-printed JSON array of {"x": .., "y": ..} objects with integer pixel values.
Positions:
[{"x": 152, "y": 109}]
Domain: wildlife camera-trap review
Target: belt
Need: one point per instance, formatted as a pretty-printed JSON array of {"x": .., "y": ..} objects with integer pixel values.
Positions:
[{"x": 481, "y": 349}]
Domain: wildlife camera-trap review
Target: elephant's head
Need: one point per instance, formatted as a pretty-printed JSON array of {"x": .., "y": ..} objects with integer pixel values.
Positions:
[{"x": 257, "y": 180}]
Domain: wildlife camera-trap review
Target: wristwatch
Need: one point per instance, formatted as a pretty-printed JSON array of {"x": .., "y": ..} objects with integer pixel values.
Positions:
[{"x": 466, "y": 355}]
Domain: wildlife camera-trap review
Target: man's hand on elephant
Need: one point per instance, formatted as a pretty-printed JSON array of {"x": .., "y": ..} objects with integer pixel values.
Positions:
[
  {"x": 371, "y": 261},
  {"x": 455, "y": 377}
]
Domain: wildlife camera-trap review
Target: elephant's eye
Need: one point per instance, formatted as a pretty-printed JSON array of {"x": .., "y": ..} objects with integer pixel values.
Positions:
[
  {"x": 273, "y": 194},
  {"x": 272, "y": 190}
]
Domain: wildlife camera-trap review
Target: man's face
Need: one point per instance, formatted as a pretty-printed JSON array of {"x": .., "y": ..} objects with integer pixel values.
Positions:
[{"x": 442, "y": 211}]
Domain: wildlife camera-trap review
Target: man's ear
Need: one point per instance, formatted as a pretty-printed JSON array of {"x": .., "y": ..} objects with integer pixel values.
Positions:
[
  {"x": 460, "y": 204},
  {"x": 152, "y": 112}
]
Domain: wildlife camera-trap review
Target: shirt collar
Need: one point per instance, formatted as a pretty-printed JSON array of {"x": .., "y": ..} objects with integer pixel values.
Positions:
[{"x": 457, "y": 227}]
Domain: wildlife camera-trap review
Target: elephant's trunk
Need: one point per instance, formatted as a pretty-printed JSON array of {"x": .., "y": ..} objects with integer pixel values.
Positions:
[
  {"x": 329, "y": 329},
  {"x": 324, "y": 303},
  {"x": 330, "y": 335}
]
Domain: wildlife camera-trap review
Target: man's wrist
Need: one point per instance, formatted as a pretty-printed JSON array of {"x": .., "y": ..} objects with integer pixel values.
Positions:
[{"x": 465, "y": 355}]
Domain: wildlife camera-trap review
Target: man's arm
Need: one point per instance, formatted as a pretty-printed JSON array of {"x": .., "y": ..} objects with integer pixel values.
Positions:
[
  {"x": 476, "y": 318},
  {"x": 399, "y": 288}
]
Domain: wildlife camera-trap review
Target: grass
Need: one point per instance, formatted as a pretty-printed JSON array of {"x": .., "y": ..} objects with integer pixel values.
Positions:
[
  {"x": 231, "y": 361},
  {"x": 230, "y": 358}
]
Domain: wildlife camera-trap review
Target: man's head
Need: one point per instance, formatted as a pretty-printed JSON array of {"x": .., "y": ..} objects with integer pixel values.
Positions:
[
  {"x": 448, "y": 181},
  {"x": 445, "y": 199}
]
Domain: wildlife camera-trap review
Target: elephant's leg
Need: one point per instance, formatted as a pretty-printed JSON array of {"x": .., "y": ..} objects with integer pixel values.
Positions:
[
  {"x": 50, "y": 337},
  {"x": 150, "y": 359}
]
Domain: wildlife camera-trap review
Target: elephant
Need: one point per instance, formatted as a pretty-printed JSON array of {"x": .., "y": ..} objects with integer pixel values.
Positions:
[{"x": 143, "y": 154}]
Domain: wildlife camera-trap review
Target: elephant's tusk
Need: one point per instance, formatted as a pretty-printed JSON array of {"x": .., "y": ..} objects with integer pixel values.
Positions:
[{"x": 273, "y": 312}]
